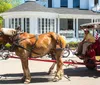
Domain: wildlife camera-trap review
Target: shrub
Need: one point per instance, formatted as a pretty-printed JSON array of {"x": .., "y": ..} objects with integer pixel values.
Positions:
[{"x": 73, "y": 44}]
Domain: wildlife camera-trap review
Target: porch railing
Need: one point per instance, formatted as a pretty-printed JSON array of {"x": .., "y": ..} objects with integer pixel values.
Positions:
[
  {"x": 67, "y": 33},
  {"x": 80, "y": 34}
]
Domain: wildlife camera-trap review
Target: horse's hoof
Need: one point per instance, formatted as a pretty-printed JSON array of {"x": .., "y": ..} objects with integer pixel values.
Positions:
[
  {"x": 27, "y": 81},
  {"x": 56, "y": 79},
  {"x": 23, "y": 79}
]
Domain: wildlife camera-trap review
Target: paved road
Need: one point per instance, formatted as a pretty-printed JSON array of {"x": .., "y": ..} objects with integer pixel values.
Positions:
[{"x": 11, "y": 73}]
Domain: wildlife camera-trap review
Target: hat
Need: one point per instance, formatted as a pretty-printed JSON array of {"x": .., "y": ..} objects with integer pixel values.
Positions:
[{"x": 86, "y": 30}]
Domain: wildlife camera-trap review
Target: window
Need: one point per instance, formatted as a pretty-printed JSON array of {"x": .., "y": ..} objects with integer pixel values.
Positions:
[
  {"x": 10, "y": 23},
  {"x": 66, "y": 24},
  {"x": 76, "y": 3},
  {"x": 42, "y": 25},
  {"x": 64, "y": 3},
  {"x": 20, "y": 22},
  {"x": 95, "y": 2},
  {"x": 49, "y": 3},
  {"x": 15, "y": 22},
  {"x": 63, "y": 24},
  {"x": 70, "y": 24},
  {"x": 45, "y": 25},
  {"x": 26, "y": 25},
  {"x": 39, "y": 25}
]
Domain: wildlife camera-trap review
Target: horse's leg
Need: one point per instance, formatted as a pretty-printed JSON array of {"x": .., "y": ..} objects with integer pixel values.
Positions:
[
  {"x": 59, "y": 72},
  {"x": 26, "y": 75},
  {"x": 53, "y": 65}
]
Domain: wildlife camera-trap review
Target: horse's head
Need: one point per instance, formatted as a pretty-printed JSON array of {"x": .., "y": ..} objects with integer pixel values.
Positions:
[
  {"x": 5, "y": 33},
  {"x": 8, "y": 31}
]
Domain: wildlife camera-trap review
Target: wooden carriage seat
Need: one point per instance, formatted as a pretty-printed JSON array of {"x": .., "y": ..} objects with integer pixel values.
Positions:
[{"x": 96, "y": 47}]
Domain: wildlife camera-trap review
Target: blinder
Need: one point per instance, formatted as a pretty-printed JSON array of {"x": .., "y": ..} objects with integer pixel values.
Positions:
[{"x": 1, "y": 33}]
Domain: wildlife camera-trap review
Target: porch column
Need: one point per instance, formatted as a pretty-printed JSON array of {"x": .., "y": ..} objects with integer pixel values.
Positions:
[
  {"x": 22, "y": 24},
  {"x": 58, "y": 24},
  {"x": 33, "y": 25},
  {"x": 6, "y": 22},
  {"x": 74, "y": 27},
  {"x": 77, "y": 34},
  {"x": 44, "y": 25},
  {"x": 91, "y": 20},
  {"x": 55, "y": 22}
]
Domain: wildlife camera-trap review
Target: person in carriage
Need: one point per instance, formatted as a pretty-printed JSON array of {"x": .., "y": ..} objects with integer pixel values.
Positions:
[{"x": 87, "y": 40}]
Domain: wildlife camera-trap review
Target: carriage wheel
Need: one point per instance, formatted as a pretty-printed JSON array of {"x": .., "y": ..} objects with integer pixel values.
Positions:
[
  {"x": 66, "y": 53},
  {"x": 90, "y": 64}
]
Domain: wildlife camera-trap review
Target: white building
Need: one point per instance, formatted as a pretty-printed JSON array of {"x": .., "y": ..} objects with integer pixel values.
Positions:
[{"x": 60, "y": 17}]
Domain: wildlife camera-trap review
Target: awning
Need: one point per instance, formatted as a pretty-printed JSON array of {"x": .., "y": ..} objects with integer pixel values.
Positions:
[{"x": 95, "y": 25}]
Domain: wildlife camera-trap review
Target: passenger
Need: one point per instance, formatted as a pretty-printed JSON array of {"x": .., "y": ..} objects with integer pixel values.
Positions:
[{"x": 87, "y": 40}]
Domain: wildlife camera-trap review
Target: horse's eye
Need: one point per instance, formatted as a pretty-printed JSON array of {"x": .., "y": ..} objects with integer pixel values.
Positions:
[{"x": 1, "y": 33}]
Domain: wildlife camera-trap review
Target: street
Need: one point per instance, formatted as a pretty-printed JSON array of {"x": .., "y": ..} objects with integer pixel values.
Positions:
[{"x": 11, "y": 73}]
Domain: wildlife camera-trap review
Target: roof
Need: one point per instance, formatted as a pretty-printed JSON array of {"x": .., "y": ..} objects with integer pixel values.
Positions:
[
  {"x": 30, "y": 6},
  {"x": 33, "y": 6},
  {"x": 74, "y": 11}
]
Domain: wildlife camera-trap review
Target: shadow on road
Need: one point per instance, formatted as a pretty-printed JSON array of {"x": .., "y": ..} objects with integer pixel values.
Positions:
[
  {"x": 81, "y": 72},
  {"x": 16, "y": 78},
  {"x": 40, "y": 77}
]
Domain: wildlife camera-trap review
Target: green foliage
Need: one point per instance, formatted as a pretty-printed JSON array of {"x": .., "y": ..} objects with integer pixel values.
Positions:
[
  {"x": 4, "y": 6},
  {"x": 8, "y": 45},
  {"x": 12, "y": 2},
  {"x": 1, "y": 21},
  {"x": 8, "y": 4},
  {"x": 73, "y": 44}
]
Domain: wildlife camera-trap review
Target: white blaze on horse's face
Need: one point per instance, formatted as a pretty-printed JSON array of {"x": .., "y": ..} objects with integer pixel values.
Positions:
[{"x": 9, "y": 31}]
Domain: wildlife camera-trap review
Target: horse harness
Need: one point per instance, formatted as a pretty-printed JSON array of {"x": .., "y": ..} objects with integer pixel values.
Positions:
[{"x": 16, "y": 43}]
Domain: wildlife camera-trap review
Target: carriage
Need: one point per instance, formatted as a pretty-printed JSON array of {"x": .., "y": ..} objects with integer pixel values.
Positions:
[{"x": 92, "y": 55}]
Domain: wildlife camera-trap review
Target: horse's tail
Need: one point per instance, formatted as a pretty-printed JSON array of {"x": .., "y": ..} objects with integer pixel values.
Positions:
[{"x": 61, "y": 42}]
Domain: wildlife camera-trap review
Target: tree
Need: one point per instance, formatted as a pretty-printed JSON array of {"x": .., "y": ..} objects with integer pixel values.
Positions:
[
  {"x": 13, "y": 2},
  {"x": 6, "y": 5}
]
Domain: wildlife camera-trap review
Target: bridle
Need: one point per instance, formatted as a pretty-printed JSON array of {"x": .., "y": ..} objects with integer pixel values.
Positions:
[
  {"x": 15, "y": 39},
  {"x": 1, "y": 33}
]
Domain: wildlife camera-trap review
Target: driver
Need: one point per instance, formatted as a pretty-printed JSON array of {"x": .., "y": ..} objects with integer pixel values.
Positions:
[{"x": 87, "y": 40}]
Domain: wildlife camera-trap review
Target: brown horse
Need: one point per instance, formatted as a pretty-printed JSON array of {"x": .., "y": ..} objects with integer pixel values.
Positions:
[{"x": 28, "y": 45}]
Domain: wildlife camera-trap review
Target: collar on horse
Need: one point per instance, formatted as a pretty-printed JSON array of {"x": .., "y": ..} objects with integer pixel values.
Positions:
[{"x": 18, "y": 40}]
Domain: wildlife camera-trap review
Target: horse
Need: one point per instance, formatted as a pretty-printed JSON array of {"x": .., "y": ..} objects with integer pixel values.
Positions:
[{"x": 27, "y": 45}]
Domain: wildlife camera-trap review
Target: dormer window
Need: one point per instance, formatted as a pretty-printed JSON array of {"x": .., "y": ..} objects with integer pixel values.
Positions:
[
  {"x": 76, "y": 3},
  {"x": 64, "y": 3},
  {"x": 95, "y": 2}
]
